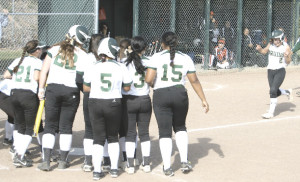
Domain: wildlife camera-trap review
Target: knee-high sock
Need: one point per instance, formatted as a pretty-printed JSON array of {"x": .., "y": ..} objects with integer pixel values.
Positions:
[
  {"x": 130, "y": 148},
  {"x": 9, "y": 129},
  {"x": 165, "y": 145},
  {"x": 182, "y": 144},
  {"x": 273, "y": 103},
  {"x": 65, "y": 142},
  {"x": 97, "y": 153},
  {"x": 48, "y": 141},
  {"x": 17, "y": 140},
  {"x": 114, "y": 152},
  {"x": 39, "y": 138},
  {"x": 146, "y": 146},
  {"x": 87, "y": 146},
  {"x": 26, "y": 140}
]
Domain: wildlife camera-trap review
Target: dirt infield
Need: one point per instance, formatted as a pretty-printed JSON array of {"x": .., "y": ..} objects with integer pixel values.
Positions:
[{"x": 232, "y": 143}]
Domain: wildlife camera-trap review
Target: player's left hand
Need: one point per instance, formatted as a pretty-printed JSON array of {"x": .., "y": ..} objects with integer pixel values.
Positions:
[{"x": 205, "y": 106}]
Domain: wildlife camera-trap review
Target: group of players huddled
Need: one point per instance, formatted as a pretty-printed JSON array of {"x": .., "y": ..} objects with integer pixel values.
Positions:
[{"x": 116, "y": 102}]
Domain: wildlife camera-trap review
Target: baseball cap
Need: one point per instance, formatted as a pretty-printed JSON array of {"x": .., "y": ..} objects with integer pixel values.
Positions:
[
  {"x": 41, "y": 45},
  {"x": 221, "y": 41}
]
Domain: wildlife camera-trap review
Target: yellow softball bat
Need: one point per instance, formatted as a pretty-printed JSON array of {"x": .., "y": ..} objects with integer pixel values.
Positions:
[{"x": 39, "y": 117}]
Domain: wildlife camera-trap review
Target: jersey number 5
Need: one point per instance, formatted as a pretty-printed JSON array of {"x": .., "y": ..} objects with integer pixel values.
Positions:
[
  {"x": 175, "y": 72},
  {"x": 105, "y": 80}
]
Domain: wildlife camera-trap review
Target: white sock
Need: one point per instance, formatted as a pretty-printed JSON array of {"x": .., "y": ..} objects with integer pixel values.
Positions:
[
  {"x": 182, "y": 144},
  {"x": 65, "y": 142},
  {"x": 15, "y": 135},
  {"x": 48, "y": 141},
  {"x": 39, "y": 138},
  {"x": 130, "y": 149},
  {"x": 17, "y": 141},
  {"x": 114, "y": 152},
  {"x": 9, "y": 129},
  {"x": 97, "y": 155},
  {"x": 145, "y": 146},
  {"x": 26, "y": 140},
  {"x": 105, "y": 150},
  {"x": 283, "y": 92},
  {"x": 122, "y": 144},
  {"x": 165, "y": 145},
  {"x": 273, "y": 103},
  {"x": 88, "y": 146}
]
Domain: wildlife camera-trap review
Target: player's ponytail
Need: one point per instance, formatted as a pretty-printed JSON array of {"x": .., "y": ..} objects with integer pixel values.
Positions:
[
  {"x": 170, "y": 39},
  {"x": 94, "y": 43},
  {"x": 138, "y": 45},
  {"x": 66, "y": 51},
  {"x": 30, "y": 47}
]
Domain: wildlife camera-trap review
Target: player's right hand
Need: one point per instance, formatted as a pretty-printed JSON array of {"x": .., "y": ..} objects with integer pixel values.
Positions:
[
  {"x": 41, "y": 94},
  {"x": 205, "y": 106}
]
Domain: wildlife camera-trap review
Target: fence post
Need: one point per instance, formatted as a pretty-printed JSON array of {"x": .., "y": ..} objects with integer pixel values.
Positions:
[
  {"x": 173, "y": 15},
  {"x": 135, "y": 30},
  {"x": 269, "y": 17},
  {"x": 206, "y": 40},
  {"x": 239, "y": 33},
  {"x": 96, "y": 30}
]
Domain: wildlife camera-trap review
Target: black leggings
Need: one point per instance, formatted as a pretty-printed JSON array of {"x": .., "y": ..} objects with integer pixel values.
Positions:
[
  {"x": 105, "y": 116},
  {"x": 88, "y": 134},
  {"x": 275, "y": 78},
  {"x": 7, "y": 107},
  {"x": 170, "y": 106},
  {"x": 25, "y": 104},
  {"x": 139, "y": 113}
]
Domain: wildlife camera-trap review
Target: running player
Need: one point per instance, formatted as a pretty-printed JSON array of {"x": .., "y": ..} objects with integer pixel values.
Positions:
[
  {"x": 88, "y": 132},
  {"x": 24, "y": 73},
  {"x": 166, "y": 72},
  {"x": 62, "y": 94},
  {"x": 104, "y": 81},
  {"x": 138, "y": 104},
  {"x": 279, "y": 56}
]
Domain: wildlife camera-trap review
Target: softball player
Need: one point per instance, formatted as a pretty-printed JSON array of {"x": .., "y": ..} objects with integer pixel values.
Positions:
[
  {"x": 24, "y": 73},
  {"x": 62, "y": 94},
  {"x": 104, "y": 81},
  {"x": 6, "y": 106},
  {"x": 88, "y": 135},
  {"x": 166, "y": 72},
  {"x": 138, "y": 104},
  {"x": 279, "y": 56}
]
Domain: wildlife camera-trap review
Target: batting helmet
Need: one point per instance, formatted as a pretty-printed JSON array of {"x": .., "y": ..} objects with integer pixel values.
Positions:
[
  {"x": 277, "y": 34},
  {"x": 80, "y": 33},
  {"x": 109, "y": 47}
]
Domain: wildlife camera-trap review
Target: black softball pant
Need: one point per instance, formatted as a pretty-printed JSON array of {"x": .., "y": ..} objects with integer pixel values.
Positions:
[
  {"x": 124, "y": 122},
  {"x": 170, "y": 106},
  {"x": 275, "y": 78},
  {"x": 88, "y": 134},
  {"x": 25, "y": 105},
  {"x": 60, "y": 108},
  {"x": 139, "y": 112},
  {"x": 105, "y": 116},
  {"x": 7, "y": 107}
]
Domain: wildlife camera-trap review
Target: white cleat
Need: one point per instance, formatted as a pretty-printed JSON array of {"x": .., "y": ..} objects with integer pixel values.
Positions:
[
  {"x": 267, "y": 116},
  {"x": 147, "y": 168}
]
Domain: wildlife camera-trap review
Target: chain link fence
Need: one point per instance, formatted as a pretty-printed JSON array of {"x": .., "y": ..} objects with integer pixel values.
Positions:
[
  {"x": 188, "y": 18},
  {"x": 45, "y": 20}
]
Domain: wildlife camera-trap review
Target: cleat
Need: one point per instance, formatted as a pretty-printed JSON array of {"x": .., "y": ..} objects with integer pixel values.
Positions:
[
  {"x": 186, "y": 167},
  {"x": 7, "y": 142},
  {"x": 18, "y": 162},
  {"x": 267, "y": 116},
  {"x": 63, "y": 164},
  {"x": 290, "y": 96},
  {"x": 106, "y": 169},
  {"x": 97, "y": 176},
  {"x": 124, "y": 165},
  {"x": 44, "y": 166},
  {"x": 298, "y": 94},
  {"x": 87, "y": 168},
  {"x": 130, "y": 170},
  {"x": 169, "y": 172},
  {"x": 114, "y": 173},
  {"x": 147, "y": 168}
]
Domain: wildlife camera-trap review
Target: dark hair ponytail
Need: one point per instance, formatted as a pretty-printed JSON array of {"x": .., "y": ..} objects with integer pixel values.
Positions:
[
  {"x": 30, "y": 47},
  {"x": 138, "y": 45},
  {"x": 94, "y": 44},
  {"x": 170, "y": 39}
]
